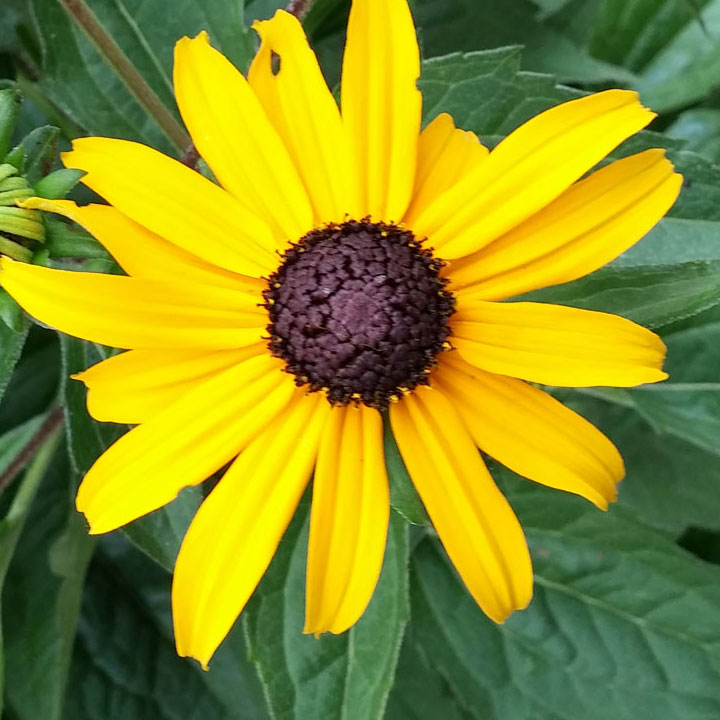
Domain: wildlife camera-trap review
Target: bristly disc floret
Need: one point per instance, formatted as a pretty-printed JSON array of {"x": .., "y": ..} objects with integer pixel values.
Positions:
[{"x": 359, "y": 311}]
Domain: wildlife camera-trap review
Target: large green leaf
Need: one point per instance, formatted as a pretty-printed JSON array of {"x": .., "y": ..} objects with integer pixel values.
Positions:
[
  {"x": 86, "y": 83},
  {"x": 449, "y": 25},
  {"x": 127, "y": 612},
  {"x": 344, "y": 676},
  {"x": 622, "y": 625},
  {"x": 650, "y": 295},
  {"x": 12, "y": 524},
  {"x": 420, "y": 692},
  {"x": 42, "y": 597}
]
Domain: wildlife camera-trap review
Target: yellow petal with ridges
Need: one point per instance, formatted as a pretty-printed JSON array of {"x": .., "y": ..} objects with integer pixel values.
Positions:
[
  {"x": 349, "y": 520},
  {"x": 136, "y": 385},
  {"x": 445, "y": 155},
  {"x": 233, "y": 134},
  {"x": 475, "y": 523},
  {"x": 530, "y": 432},
  {"x": 177, "y": 203},
  {"x": 589, "y": 225},
  {"x": 381, "y": 104},
  {"x": 298, "y": 102},
  {"x": 529, "y": 169},
  {"x": 556, "y": 345},
  {"x": 235, "y": 533},
  {"x": 130, "y": 312},
  {"x": 140, "y": 252},
  {"x": 184, "y": 444}
]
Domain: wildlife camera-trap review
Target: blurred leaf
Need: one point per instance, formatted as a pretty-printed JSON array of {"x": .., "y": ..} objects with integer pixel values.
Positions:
[
  {"x": 42, "y": 597},
  {"x": 79, "y": 80},
  {"x": 332, "y": 676},
  {"x": 450, "y": 25},
  {"x": 622, "y": 623},
  {"x": 12, "y": 524},
  {"x": 9, "y": 107},
  {"x": 688, "y": 67},
  {"x": 700, "y": 128}
]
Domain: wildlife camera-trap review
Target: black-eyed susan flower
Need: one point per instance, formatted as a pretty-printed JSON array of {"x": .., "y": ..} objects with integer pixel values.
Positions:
[{"x": 347, "y": 263}]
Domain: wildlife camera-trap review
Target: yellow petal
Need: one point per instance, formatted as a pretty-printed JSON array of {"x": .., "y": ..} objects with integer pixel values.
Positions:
[
  {"x": 236, "y": 531},
  {"x": 175, "y": 202},
  {"x": 298, "y": 102},
  {"x": 381, "y": 104},
  {"x": 184, "y": 444},
  {"x": 556, "y": 345},
  {"x": 586, "y": 227},
  {"x": 140, "y": 252},
  {"x": 349, "y": 520},
  {"x": 529, "y": 169},
  {"x": 445, "y": 156},
  {"x": 233, "y": 134},
  {"x": 530, "y": 432},
  {"x": 474, "y": 521},
  {"x": 135, "y": 386},
  {"x": 129, "y": 312}
]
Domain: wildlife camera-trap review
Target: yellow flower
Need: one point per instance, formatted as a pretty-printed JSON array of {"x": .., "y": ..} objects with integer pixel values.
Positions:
[{"x": 373, "y": 256}]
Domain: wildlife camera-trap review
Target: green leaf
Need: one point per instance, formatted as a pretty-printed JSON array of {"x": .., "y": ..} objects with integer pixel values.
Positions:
[
  {"x": 34, "y": 383},
  {"x": 40, "y": 146},
  {"x": 87, "y": 439},
  {"x": 454, "y": 84},
  {"x": 58, "y": 184},
  {"x": 700, "y": 129},
  {"x": 160, "y": 533},
  {"x": 420, "y": 692},
  {"x": 124, "y": 664},
  {"x": 12, "y": 340},
  {"x": 450, "y": 25},
  {"x": 42, "y": 597},
  {"x": 403, "y": 496},
  {"x": 9, "y": 108},
  {"x": 334, "y": 676},
  {"x": 88, "y": 85},
  {"x": 667, "y": 433},
  {"x": 143, "y": 595},
  {"x": 651, "y": 296},
  {"x": 64, "y": 240},
  {"x": 622, "y": 623},
  {"x": 12, "y": 524},
  {"x": 688, "y": 68},
  {"x": 671, "y": 482}
]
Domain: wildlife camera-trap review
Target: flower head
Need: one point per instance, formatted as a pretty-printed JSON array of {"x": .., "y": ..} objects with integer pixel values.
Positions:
[{"x": 345, "y": 264}]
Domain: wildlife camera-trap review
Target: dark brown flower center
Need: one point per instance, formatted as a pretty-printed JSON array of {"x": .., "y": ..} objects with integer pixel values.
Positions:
[{"x": 359, "y": 311}]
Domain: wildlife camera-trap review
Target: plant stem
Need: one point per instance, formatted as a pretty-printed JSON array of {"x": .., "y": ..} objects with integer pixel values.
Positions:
[{"x": 85, "y": 19}]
